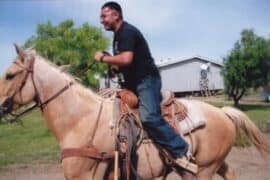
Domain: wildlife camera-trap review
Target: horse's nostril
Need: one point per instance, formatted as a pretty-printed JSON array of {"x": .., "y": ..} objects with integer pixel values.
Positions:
[
  {"x": 6, "y": 103},
  {"x": 5, "y": 106},
  {"x": 4, "y": 110}
]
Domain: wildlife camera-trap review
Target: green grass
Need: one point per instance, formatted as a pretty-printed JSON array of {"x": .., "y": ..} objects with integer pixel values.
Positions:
[
  {"x": 30, "y": 142},
  {"x": 258, "y": 113}
]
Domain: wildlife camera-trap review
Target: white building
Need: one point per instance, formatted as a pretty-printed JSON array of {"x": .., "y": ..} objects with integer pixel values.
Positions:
[
  {"x": 187, "y": 76},
  {"x": 191, "y": 75}
]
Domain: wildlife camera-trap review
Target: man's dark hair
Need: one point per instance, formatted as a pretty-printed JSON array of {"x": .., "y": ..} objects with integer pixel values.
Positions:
[{"x": 115, "y": 6}]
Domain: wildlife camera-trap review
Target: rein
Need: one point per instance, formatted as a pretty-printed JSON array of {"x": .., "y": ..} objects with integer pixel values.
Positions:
[
  {"x": 39, "y": 103},
  {"x": 87, "y": 68}
]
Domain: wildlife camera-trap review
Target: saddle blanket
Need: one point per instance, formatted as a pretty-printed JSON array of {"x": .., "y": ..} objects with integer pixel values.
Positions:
[{"x": 194, "y": 118}]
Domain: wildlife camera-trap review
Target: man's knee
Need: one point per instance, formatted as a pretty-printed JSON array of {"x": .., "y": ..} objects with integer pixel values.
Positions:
[{"x": 153, "y": 119}]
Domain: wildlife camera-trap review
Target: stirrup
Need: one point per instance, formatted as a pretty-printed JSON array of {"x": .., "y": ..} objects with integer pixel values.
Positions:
[{"x": 184, "y": 163}]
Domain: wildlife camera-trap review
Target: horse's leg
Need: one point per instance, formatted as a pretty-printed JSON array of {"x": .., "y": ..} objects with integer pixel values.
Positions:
[
  {"x": 76, "y": 168},
  {"x": 100, "y": 172},
  {"x": 207, "y": 172},
  {"x": 187, "y": 176},
  {"x": 226, "y": 172}
]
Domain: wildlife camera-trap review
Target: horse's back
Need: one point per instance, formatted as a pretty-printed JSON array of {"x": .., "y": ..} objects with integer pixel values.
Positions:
[{"x": 213, "y": 141}]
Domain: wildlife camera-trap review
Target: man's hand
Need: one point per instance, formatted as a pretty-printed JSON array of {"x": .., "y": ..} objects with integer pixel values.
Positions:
[{"x": 99, "y": 56}]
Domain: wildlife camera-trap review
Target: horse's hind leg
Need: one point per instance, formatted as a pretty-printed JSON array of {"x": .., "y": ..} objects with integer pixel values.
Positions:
[
  {"x": 207, "y": 172},
  {"x": 226, "y": 172}
]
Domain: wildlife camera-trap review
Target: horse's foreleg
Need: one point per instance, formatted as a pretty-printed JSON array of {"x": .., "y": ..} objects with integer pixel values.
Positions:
[
  {"x": 76, "y": 168},
  {"x": 187, "y": 176},
  {"x": 226, "y": 172}
]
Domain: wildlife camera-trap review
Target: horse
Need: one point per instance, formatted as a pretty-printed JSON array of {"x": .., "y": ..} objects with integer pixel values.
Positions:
[{"x": 79, "y": 118}]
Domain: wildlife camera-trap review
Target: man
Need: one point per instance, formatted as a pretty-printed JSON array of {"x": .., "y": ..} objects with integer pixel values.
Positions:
[{"x": 133, "y": 57}]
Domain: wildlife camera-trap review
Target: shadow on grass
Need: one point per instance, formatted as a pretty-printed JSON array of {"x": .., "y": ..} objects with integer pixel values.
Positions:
[
  {"x": 245, "y": 107},
  {"x": 248, "y": 107}
]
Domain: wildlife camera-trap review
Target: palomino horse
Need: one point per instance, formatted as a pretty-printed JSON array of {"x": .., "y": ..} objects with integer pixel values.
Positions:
[{"x": 80, "y": 118}]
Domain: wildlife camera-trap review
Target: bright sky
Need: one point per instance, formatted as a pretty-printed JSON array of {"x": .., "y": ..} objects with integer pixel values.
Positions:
[{"x": 173, "y": 28}]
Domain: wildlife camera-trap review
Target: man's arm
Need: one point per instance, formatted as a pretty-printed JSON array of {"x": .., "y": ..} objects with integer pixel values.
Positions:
[{"x": 122, "y": 59}]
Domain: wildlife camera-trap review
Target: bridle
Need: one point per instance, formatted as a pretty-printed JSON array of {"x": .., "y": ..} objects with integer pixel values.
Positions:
[
  {"x": 89, "y": 152},
  {"x": 38, "y": 102}
]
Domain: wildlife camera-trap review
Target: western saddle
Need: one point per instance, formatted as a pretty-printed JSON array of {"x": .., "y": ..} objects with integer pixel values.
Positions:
[{"x": 172, "y": 111}]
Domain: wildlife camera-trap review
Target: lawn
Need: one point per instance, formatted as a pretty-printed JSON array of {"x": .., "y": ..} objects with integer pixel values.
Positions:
[
  {"x": 258, "y": 113},
  {"x": 32, "y": 142}
]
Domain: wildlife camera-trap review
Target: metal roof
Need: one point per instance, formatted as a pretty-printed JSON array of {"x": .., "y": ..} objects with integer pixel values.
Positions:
[{"x": 182, "y": 60}]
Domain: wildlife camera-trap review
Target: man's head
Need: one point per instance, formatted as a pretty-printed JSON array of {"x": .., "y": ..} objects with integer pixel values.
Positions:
[{"x": 111, "y": 16}]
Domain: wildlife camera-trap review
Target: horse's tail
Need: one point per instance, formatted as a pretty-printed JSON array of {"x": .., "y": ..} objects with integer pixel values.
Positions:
[{"x": 243, "y": 124}]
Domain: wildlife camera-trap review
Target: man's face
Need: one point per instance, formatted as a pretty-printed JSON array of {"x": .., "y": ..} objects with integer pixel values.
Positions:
[{"x": 109, "y": 18}]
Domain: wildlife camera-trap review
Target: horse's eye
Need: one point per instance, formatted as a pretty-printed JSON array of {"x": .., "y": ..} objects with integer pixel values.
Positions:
[{"x": 10, "y": 76}]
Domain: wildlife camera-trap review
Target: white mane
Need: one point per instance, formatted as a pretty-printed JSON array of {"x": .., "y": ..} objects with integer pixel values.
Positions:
[{"x": 79, "y": 88}]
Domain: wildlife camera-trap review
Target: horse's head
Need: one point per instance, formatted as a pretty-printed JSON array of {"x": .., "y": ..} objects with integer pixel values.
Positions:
[{"x": 16, "y": 85}]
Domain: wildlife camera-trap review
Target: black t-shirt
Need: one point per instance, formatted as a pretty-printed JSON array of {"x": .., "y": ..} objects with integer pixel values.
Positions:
[{"x": 129, "y": 38}]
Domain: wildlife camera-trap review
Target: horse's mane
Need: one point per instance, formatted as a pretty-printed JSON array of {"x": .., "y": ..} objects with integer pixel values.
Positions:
[{"x": 78, "y": 87}]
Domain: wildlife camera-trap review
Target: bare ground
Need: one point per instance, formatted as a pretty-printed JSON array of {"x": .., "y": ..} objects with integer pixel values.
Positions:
[{"x": 247, "y": 163}]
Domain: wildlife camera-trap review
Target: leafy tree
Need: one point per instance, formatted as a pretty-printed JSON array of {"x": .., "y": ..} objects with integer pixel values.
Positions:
[
  {"x": 64, "y": 44},
  {"x": 247, "y": 65}
]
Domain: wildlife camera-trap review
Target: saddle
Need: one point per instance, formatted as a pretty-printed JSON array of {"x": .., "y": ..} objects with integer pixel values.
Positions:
[
  {"x": 171, "y": 110},
  {"x": 129, "y": 129}
]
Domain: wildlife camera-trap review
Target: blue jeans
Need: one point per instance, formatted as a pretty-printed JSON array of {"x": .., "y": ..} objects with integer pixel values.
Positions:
[{"x": 149, "y": 108}]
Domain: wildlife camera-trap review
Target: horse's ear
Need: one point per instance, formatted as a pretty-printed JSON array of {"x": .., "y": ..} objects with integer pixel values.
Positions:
[{"x": 20, "y": 52}]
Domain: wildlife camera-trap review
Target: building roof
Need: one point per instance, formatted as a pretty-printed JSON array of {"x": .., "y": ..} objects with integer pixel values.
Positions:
[{"x": 182, "y": 60}]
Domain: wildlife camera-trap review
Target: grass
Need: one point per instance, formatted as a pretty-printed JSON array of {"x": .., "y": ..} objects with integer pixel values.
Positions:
[
  {"x": 30, "y": 142},
  {"x": 258, "y": 113}
]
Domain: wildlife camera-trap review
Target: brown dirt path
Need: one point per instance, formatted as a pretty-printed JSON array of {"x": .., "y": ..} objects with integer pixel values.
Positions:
[{"x": 247, "y": 163}]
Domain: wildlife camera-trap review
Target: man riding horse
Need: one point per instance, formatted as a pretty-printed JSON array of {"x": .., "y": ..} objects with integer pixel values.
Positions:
[{"x": 141, "y": 76}]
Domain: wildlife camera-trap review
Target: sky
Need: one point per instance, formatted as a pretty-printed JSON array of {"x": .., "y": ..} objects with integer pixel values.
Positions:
[{"x": 173, "y": 28}]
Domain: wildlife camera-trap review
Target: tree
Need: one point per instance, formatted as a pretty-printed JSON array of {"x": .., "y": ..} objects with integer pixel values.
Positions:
[
  {"x": 247, "y": 65},
  {"x": 63, "y": 44}
]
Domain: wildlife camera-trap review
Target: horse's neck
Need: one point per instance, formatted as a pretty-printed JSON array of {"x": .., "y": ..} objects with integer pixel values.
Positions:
[
  {"x": 49, "y": 80},
  {"x": 70, "y": 116}
]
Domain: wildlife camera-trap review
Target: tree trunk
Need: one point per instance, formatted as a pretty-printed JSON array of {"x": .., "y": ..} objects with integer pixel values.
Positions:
[
  {"x": 236, "y": 102},
  {"x": 237, "y": 96}
]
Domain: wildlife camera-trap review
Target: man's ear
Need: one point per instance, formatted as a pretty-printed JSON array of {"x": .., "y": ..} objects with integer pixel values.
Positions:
[{"x": 116, "y": 15}]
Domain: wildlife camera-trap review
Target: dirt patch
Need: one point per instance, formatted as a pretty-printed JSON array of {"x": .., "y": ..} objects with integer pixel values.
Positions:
[
  {"x": 32, "y": 172},
  {"x": 247, "y": 163}
]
